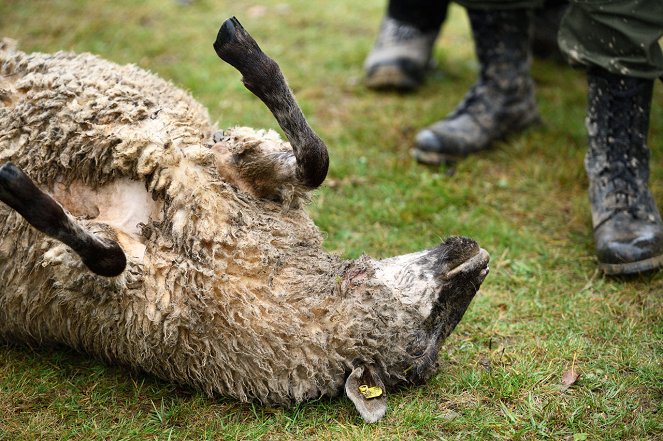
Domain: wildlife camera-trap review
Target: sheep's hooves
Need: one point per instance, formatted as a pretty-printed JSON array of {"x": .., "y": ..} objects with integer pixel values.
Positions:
[
  {"x": 228, "y": 39},
  {"x": 108, "y": 262},
  {"x": 225, "y": 35}
]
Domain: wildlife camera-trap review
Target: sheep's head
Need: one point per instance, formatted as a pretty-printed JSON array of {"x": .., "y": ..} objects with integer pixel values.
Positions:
[
  {"x": 439, "y": 283},
  {"x": 435, "y": 288}
]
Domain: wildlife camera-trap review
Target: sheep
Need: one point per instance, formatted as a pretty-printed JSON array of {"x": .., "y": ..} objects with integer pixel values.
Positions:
[{"x": 132, "y": 230}]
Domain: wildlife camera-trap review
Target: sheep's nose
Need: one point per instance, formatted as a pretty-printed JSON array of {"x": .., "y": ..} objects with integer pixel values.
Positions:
[
  {"x": 458, "y": 249},
  {"x": 460, "y": 241}
]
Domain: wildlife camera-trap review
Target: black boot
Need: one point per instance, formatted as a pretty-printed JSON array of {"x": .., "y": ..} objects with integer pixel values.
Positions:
[
  {"x": 401, "y": 55},
  {"x": 627, "y": 225},
  {"x": 500, "y": 102}
]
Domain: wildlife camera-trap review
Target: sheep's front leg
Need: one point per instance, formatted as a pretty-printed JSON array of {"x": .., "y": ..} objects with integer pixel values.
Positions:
[{"x": 103, "y": 257}]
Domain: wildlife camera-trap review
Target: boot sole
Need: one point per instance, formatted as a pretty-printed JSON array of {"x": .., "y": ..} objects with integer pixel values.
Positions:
[
  {"x": 641, "y": 266},
  {"x": 433, "y": 158},
  {"x": 391, "y": 77}
]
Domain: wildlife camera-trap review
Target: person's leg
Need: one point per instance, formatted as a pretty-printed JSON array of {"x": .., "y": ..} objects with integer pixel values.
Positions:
[
  {"x": 618, "y": 42},
  {"x": 502, "y": 100},
  {"x": 544, "y": 28},
  {"x": 402, "y": 52},
  {"x": 425, "y": 15}
]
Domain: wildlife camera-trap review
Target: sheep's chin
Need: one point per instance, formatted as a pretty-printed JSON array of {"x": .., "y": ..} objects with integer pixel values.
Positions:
[{"x": 476, "y": 264}]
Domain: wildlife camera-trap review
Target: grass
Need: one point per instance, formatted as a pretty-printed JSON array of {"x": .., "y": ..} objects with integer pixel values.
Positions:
[{"x": 543, "y": 306}]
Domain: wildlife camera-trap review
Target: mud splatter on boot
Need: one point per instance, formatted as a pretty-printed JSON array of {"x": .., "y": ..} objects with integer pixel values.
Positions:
[
  {"x": 502, "y": 100},
  {"x": 628, "y": 230}
]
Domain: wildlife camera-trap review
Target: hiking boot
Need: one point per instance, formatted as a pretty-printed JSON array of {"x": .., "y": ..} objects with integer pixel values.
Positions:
[
  {"x": 628, "y": 230},
  {"x": 501, "y": 101},
  {"x": 400, "y": 57}
]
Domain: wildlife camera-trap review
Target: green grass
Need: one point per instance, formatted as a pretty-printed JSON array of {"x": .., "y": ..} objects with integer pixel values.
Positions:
[{"x": 525, "y": 201}]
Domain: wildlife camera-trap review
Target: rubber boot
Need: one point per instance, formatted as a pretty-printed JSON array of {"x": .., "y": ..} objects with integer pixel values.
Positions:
[
  {"x": 500, "y": 102},
  {"x": 628, "y": 230}
]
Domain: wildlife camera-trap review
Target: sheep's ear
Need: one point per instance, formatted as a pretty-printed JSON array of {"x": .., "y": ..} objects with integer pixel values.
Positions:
[{"x": 366, "y": 390}]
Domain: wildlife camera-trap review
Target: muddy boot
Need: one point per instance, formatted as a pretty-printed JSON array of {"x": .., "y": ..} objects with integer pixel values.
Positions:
[
  {"x": 400, "y": 57},
  {"x": 500, "y": 102},
  {"x": 628, "y": 230}
]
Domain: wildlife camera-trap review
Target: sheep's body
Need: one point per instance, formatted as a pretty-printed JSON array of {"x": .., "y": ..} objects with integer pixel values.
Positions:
[{"x": 223, "y": 290}]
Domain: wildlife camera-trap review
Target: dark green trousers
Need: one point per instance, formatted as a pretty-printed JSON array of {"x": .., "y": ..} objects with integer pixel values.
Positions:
[
  {"x": 620, "y": 36},
  {"x": 501, "y": 4}
]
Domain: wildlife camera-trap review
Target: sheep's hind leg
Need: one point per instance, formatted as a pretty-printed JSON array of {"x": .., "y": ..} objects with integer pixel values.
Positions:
[
  {"x": 263, "y": 77},
  {"x": 101, "y": 256}
]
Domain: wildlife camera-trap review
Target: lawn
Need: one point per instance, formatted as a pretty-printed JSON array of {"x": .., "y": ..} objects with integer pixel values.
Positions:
[{"x": 543, "y": 309}]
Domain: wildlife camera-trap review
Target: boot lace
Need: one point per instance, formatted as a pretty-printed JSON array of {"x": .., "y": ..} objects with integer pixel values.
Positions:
[
  {"x": 472, "y": 101},
  {"x": 625, "y": 179}
]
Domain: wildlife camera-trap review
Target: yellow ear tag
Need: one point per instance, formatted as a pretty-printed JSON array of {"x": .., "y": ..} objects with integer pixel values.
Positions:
[{"x": 370, "y": 392}]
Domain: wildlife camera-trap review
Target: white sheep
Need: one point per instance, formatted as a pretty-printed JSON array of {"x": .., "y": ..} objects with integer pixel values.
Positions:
[{"x": 185, "y": 252}]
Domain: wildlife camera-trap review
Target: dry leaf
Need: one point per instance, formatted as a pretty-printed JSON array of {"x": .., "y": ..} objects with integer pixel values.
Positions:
[{"x": 571, "y": 376}]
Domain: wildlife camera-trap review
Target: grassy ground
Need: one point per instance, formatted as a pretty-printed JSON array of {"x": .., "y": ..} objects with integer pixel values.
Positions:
[{"x": 543, "y": 306}]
